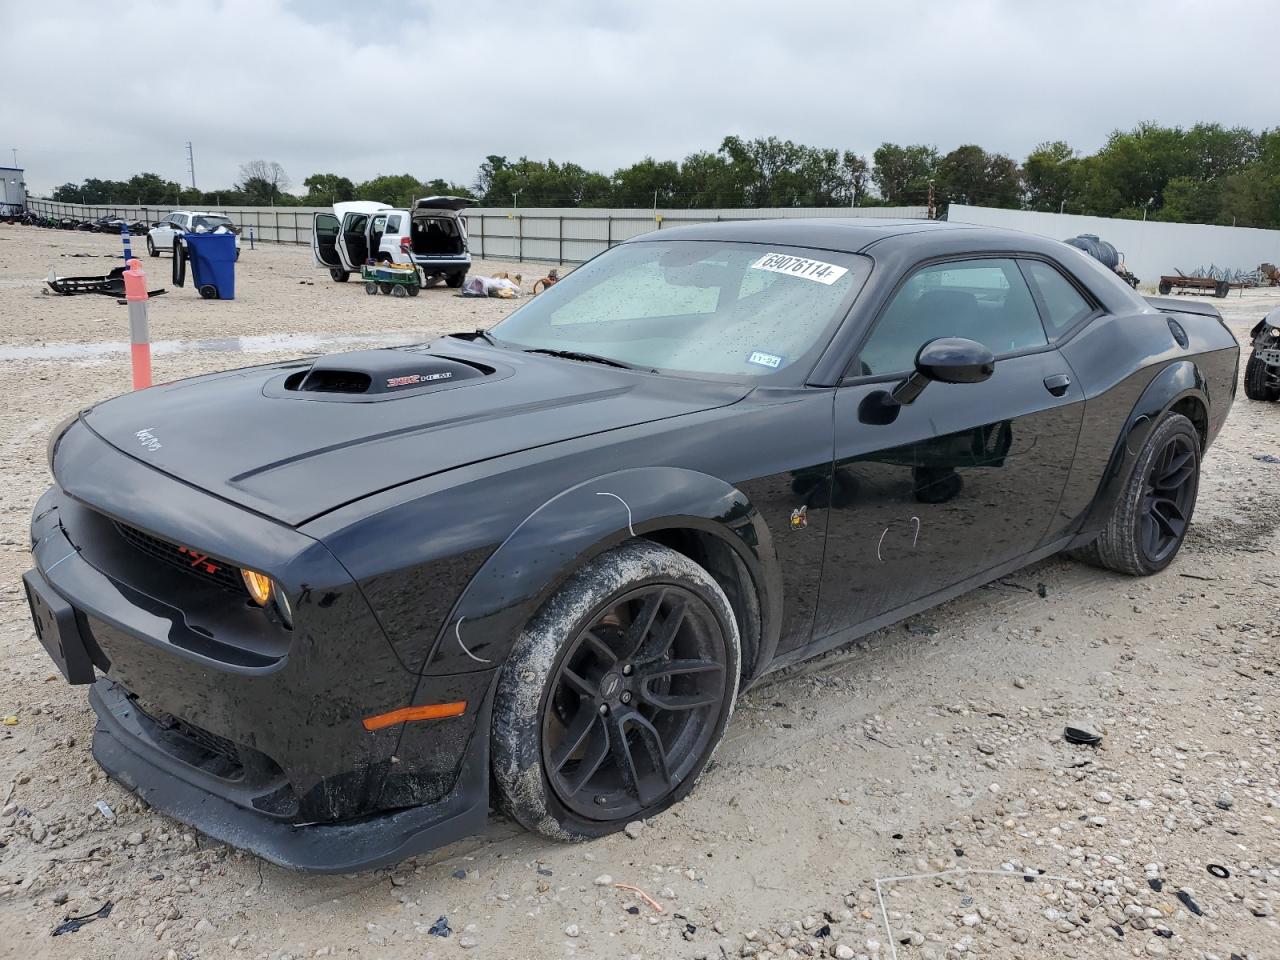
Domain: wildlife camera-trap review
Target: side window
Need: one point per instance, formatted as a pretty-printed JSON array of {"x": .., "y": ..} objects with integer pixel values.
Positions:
[
  {"x": 393, "y": 223},
  {"x": 983, "y": 300},
  {"x": 1064, "y": 306}
]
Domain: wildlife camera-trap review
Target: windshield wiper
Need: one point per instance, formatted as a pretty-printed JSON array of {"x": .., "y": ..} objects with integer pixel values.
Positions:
[{"x": 586, "y": 357}]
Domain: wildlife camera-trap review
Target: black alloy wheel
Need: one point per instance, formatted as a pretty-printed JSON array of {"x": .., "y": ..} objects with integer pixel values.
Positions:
[
  {"x": 1170, "y": 493},
  {"x": 630, "y": 711}
]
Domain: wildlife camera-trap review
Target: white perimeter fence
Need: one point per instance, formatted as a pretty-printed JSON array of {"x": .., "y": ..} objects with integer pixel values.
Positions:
[
  {"x": 574, "y": 234},
  {"x": 551, "y": 234}
]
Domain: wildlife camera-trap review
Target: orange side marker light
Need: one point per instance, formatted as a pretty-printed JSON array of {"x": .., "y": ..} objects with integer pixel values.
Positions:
[{"x": 430, "y": 711}]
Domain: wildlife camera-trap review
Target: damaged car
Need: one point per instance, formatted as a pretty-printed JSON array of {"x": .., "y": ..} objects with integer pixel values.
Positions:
[
  {"x": 328, "y": 609},
  {"x": 1262, "y": 370}
]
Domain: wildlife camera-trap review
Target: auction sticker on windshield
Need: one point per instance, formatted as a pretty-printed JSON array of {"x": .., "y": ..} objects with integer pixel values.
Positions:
[{"x": 794, "y": 266}]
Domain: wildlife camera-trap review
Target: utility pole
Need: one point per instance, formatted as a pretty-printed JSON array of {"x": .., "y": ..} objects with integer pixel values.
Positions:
[
  {"x": 932, "y": 209},
  {"x": 15, "y": 158},
  {"x": 191, "y": 164}
]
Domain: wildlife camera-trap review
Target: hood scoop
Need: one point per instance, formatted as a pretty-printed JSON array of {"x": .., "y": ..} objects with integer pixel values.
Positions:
[{"x": 377, "y": 375}]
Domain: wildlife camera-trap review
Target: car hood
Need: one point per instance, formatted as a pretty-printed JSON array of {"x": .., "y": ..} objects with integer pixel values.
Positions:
[{"x": 262, "y": 438}]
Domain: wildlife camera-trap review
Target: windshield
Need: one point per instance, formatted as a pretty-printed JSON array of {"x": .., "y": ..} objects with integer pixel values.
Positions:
[
  {"x": 212, "y": 222},
  {"x": 695, "y": 306}
]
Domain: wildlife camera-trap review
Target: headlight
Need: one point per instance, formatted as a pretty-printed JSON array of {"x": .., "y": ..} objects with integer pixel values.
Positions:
[
  {"x": 1273, "y": 332},
  {"x": 258, "y": 585},
  {"x": 263, "y": 590},
  {"x": 52, "y": 447}
]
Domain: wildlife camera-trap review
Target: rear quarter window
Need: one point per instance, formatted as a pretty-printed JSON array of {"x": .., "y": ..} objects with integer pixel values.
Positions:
[{"x": 1064, "y": 305}]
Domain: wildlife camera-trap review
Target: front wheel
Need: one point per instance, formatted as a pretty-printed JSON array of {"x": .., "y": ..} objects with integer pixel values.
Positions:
[
  {"x": 151, "y": 247},
  {"x": 615, "y": 694},
  {"x": 1256, "y": 386},
  {"x": 1150, "y": 517},
  {"x": 339, "y": 276}
]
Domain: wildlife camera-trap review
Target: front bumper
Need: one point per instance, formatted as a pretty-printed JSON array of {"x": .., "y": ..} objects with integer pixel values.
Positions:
[
  {"x": 126, "y": 745},
  {"x": 252, "y": 735}
]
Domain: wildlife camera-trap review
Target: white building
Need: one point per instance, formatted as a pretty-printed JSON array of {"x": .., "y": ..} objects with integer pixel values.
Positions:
[{"x": 13, "y": 189}]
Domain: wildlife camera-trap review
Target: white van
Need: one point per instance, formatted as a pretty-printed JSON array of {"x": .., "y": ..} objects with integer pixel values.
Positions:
[{"x": 432, "y": 235}]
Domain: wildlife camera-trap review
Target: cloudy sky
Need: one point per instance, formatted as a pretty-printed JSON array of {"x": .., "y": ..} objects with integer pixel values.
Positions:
[{"x": 94, "y": 89}]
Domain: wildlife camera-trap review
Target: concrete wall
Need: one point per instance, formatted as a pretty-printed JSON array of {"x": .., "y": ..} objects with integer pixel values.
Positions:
[{"x": 1150, "y": 248}]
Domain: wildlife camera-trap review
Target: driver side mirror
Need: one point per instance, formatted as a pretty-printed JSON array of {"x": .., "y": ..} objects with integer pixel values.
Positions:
[{"x": 946, "y": 360}]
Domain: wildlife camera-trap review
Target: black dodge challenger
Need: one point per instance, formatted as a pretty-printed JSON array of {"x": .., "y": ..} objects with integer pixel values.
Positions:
[{"x": 327, "y": 607}]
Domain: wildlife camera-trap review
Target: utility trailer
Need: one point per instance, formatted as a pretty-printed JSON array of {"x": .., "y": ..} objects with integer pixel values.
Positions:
[{"x": 1202, "y": 286}]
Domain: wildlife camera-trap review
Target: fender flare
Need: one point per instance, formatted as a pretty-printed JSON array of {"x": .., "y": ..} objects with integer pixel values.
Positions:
[
  {"x": 583, "y": 521},
  {"x": 1176, "y": 382}
]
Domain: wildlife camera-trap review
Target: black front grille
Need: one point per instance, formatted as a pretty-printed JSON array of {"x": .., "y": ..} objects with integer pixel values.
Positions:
[{"x": 188, "y": 559}]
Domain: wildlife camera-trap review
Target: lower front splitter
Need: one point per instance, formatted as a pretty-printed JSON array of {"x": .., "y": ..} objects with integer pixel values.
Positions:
[{"x": 345, "y": 847}]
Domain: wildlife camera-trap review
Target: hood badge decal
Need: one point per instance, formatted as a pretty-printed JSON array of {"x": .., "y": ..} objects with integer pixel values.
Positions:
[{"x": 413, "y": 379}]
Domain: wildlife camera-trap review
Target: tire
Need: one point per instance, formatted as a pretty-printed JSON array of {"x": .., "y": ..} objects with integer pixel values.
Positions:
[
  {"x": 1255, "y": 380},
  {"x": 413, "y": 290},
  {"x": 1145, "y": 531},
  {"x": 569, "y": 680},
  {"x": 385, "y": 288},
  {"x": 151, "y": 247},
  {"x": 1221, "y": 289},
  {"x": 455, "y": 280},
  {"x": 237, "y": 254},
  {"x": 398, "y": 290},
  {"x": 371, "y": 288},
  {"x": 1165, "y": 287},
  {"x": 209, "y": 291},
  {"x": 339, "y": 276}
]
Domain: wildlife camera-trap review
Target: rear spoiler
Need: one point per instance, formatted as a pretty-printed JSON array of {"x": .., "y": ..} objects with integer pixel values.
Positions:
[{"x": 1183, "y": 305}]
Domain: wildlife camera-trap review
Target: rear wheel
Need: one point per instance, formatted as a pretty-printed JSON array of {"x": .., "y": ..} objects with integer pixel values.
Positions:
[
  {"x": 1165, "y": 287},
  {"x": 1150, "y": 517},
  {"x": 339, "y": 276},
  {"x": 615, "y": 694},
  {"x": 399, "y": 291},
  {"x": 1255, "y": 380},
  {"x": 209, "y": 291},
  {"x": 413, "y": 289},
  {"x": 384, "y": 287},
  {"x": 371, "y": 288},
  {"x": 1221, "y": 289},
  {"x": 456, "y": 280}
]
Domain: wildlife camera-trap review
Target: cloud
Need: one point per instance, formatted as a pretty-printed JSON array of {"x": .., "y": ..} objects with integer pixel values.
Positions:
[{"x": 430, "y": 88}]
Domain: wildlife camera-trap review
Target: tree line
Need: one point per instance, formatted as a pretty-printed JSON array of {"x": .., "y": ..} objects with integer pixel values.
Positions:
[{"x": 1207, "y": 173}]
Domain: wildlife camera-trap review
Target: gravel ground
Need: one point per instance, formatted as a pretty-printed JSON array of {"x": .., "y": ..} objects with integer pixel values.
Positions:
[{"x": 842, "y": 789}]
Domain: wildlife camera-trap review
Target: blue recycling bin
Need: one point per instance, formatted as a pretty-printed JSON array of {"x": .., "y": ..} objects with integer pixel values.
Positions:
[{"x": 213, "y": 264}]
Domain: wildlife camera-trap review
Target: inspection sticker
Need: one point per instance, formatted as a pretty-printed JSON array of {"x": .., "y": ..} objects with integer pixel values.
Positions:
[
  {"x": 794, "y": 266},
  {"x": 760, "y": 358}
]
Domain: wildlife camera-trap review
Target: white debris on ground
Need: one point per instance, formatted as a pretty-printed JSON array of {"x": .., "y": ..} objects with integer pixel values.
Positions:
[{"x": 931, "y": 746}]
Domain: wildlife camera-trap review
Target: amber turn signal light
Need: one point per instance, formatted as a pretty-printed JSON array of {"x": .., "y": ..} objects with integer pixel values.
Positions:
[
  {"x": 258, "y": 585},
  {"x": 430, "y": 711}
]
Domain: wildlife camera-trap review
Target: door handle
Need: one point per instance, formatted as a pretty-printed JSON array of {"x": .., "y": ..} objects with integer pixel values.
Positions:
[{"x": 1057, "y": 384}]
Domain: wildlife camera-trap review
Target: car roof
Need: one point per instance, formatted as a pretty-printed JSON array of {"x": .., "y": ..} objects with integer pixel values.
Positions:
[{"x": 847, "y": 234}]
